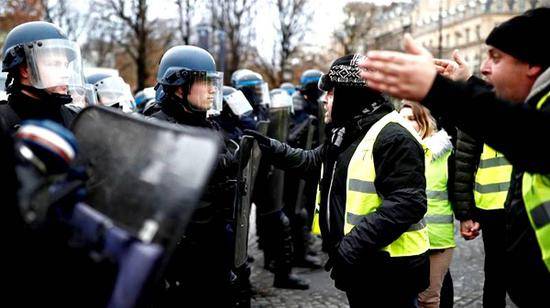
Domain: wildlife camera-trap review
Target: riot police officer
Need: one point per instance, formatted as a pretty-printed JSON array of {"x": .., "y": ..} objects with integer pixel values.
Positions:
[
  {"x": 256, "y": 91},
  {"x": 236, "y": 114},
  {"x": 310, "y": 91},
  {"x": 112, "y": 91},
  {"x": 44, "y": 74},
  {"x": 188, "y": 86}
]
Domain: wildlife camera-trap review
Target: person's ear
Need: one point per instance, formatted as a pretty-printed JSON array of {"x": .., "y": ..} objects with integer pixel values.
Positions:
[
  {"x": 534, "y": 71},
  {"x": 24, "y": 72}
]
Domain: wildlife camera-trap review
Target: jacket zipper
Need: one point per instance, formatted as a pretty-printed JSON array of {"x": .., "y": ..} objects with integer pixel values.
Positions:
[{"x": 328, "y": 196}]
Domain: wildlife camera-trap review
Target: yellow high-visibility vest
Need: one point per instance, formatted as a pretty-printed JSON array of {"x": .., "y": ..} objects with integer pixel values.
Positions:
[
  {"x": 440, "y": 214},
  {"x": 536, "y": 196},
  {"x": 362, "y": 198},
  {"x": 492, "y": 180}
]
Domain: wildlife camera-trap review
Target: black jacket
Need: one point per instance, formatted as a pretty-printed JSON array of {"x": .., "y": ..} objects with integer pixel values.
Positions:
[
  {"x": 21, "y": 107},
  {"x": 399, "y": 164},
  {"x": 466, "y": 160}
]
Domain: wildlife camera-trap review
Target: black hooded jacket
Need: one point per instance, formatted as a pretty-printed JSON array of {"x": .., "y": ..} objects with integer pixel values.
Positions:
[{"x": 399, "y": 164}]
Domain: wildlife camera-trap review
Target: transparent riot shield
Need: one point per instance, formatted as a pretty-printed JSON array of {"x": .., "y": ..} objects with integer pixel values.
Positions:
[{"x": 145, "y": 176}]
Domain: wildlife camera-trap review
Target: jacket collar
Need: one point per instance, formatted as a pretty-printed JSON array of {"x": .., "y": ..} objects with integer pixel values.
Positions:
[{"x": 540, "y": 87}]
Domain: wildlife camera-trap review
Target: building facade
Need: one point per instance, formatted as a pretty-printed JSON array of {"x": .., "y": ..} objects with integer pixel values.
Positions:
[{"x": 445, "y": 25}]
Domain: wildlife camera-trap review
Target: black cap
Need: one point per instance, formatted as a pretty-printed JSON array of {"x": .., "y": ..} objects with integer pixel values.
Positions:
[{"x": 523, "y": 37}]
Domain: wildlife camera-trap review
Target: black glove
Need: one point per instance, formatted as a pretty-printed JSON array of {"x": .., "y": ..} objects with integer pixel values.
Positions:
[
  {"x": 341, "y": 271},
  {"x": 264, "y": 142}
]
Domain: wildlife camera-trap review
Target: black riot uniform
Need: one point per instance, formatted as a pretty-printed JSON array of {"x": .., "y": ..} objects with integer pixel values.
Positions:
[{"x": 202, "y": 260}]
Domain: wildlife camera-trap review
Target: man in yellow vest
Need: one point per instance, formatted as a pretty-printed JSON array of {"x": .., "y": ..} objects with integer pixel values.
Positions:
[
  {"x": 373, "y": 194},
  {"x": 518, "y": 69}
]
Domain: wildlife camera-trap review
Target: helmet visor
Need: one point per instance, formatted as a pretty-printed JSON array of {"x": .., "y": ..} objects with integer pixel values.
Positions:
[
  {"x": 54, "y": 63},
  {"x": 257, "y": 93},
  {"x": 280, "y": 99},
  {"x": 112, "y": 91},
  {"x": 206, "y": 92},
  {"x": 238, "y": 104},
  {"x": 85, "y": 96}
]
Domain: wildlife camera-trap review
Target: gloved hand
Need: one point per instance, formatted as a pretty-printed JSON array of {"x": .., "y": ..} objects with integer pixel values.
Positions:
[
  {"x": 264, "y": 142},
  {"x": 341, "y": 271}
]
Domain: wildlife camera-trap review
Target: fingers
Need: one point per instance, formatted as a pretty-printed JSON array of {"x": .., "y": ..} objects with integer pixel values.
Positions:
[
  {"x": 458, "y": 59},
  {"x": 413, "y": 47},
  {"x": 442, "y": 62},
  {"x": 384, "y": 56}
]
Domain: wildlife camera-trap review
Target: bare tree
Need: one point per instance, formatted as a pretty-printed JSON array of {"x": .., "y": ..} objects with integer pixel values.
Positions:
[
  {"x": 359, "y": 18},
  {"x": 235, "y": 18},
  {"x": 15, "y": 12},
  {"x": 292, "y": 25},
  {"x": 186, "y": 9},
  {"x": 66, "y": 16},
  {"x": 133, "y": 32}
]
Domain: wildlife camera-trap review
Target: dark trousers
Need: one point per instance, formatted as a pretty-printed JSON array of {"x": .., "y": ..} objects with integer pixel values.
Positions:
[
  {"x": 446, "y": 299},
  {"x": 493, "y": 227}
]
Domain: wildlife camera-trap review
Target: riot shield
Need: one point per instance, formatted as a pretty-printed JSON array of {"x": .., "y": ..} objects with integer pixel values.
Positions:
[
  {"x": 310, "y": 131},
  {"x": 247, "y": 164},
  {"x": 278, "y": 129},
  {"x": 263, "y": 127},
  {"x": 146, "y": 176}
]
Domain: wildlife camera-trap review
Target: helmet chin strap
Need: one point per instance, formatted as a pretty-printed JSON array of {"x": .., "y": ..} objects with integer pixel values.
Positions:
[
  {"x": 184, "y": 102},
  {"x": 53, "y": 99}
]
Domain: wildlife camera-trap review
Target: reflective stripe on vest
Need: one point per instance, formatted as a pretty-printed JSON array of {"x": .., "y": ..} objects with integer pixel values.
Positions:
[
  {"x": 362, "y": 198},
  {"x": 536, "y": 196},
  {"x": 492, "y": 180},
  {"x": 315, "y": 227},
  {"x": 440, "y": 214}
]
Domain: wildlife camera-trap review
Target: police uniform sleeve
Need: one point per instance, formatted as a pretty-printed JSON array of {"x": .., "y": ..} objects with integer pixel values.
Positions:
[
  {"x": 517, "y": 130},
  {"x": 400, "y": 181}
]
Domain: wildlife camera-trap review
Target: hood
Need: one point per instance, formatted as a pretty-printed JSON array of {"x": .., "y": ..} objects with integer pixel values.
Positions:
[
  {"x": 439, "y": 144},
  {"x": 540, "y": 85}
]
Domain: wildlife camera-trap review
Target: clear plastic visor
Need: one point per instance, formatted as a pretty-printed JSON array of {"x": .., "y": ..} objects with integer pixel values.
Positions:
[
  {"x": 257, "y": 94},
  {"x": 114, "y": 90},
  {"x": 54, "y": 63},
  {"x": 83, "y": 97},
  {"x": 238, "y": 104},
  {"x": 206, "y": 92},
  {"x": 281, "y": 99}
]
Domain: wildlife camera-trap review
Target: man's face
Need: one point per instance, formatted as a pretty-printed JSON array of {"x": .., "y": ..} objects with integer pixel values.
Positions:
[
  {"x": 202, "y": 95},
  {"x": 327, "y": 98},
  {"x": 54, "y": 70},
  {"x": 509, "y": 76}
]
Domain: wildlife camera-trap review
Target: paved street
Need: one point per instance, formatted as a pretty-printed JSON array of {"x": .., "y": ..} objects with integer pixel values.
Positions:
[{"x": 467, "y": 272}]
